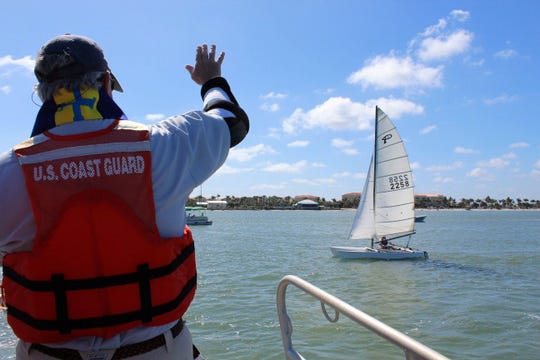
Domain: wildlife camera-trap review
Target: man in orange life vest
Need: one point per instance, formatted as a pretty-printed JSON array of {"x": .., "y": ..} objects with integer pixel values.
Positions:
[{"x": 97, "y": 260}]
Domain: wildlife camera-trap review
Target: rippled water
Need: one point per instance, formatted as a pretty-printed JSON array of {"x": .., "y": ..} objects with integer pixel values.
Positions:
[{"x": 476, "y": 297}]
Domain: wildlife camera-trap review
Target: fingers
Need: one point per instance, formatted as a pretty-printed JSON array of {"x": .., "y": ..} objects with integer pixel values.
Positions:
[
  {"x": 212, "y": 54},
  {"x": 203, "y": 54},
  {"x": 220, "y": 58}
]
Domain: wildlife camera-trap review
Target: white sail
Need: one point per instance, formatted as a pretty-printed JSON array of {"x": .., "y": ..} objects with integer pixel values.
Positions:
[
  {"x": 394, "y": 190},
  {"x": 364, "y": 221},
  {"x": 387, "y": 204}
]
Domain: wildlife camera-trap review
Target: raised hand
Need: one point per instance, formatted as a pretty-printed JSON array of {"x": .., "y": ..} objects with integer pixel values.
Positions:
[{"x": 206, "y": 66}]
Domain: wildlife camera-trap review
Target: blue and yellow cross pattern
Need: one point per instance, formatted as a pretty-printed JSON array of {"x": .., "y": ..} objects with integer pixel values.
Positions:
[{"x": 76, "y": 106}]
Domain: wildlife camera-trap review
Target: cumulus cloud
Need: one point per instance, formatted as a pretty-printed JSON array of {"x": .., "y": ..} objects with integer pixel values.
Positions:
[
  {"x": 273, "y": 96},
  {"x": 445, "y": 46},
  {"x": 480, "y": 173},
  {"x": 247, "y": 153},
  {"x": 462, "y": 150},
  {"x": 389, "y": 72},
  {"x": 279, "y": 186},
  {"x": 6, "y": 89},
  {"x": 443, "y": 180},
  {"x": 500, "y": 99},
  {"x": 427, "y": 129},
  {"x": 270, "y": 107},
  {"x": 229, "y": 170},
  {"x": 453, "y": 166},
  {"x": 271, "y": 99},
  {"x": 460, "y": 15},
  {"x": 338, "y": 113},
  {"x": 497, "y": 163},
  {"x": 341, "y": 143},
  {"x": 296, "y": 167},
  {"x": 519, "y": 145},
  {"x": 26, "y": 62},
  {"x": 505, "y": 54},
  {"x": 298, "y": 143}
]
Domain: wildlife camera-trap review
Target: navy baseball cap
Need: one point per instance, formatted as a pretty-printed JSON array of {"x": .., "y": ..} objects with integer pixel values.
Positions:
[{"x": 80, "y": 55}]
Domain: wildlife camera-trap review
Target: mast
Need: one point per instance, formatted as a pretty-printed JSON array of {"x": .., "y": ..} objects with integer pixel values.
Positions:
[{"x": 375, "y": 165}]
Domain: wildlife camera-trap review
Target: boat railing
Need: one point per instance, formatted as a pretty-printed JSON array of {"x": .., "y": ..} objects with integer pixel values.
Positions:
[{"x": 413, "y": 349}]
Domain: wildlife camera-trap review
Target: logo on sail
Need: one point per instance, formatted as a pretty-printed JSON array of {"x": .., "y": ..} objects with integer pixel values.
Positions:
[{"x": 386, "y": 137}]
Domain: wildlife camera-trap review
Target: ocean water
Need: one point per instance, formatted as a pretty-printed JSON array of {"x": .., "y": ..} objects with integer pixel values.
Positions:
[{"x": 476, "y": 297}]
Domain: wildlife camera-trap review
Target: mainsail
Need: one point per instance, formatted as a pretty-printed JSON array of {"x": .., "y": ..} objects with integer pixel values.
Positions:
[{"x": 387, "y": 204}]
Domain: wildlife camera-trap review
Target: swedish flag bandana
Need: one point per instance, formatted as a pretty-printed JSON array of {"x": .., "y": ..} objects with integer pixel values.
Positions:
[{"x": 70, "y": 106}]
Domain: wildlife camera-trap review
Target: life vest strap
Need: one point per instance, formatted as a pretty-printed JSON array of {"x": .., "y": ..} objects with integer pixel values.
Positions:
[
  {"x": 101, "y": 281},
  {"x": 60, "y": 287},
  {"x": 102, "y": 321}
]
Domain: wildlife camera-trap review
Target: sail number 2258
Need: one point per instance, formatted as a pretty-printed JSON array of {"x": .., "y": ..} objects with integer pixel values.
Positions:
[{"x": 399, "y": 181}]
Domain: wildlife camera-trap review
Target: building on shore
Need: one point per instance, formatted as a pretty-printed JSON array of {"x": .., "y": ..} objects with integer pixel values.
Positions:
[
  {"x": 298, "y": 198},
  {"x": 307, "y": 204},
  {"x": 216, "y": 204}
]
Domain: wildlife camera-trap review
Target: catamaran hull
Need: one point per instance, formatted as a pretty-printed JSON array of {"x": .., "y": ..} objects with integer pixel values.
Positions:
[{"x": 346, "y": 252}]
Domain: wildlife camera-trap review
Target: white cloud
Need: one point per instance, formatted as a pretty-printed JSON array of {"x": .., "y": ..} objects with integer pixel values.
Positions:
[
  {"x": 279, "y": 186},
  {"x": 427, "y": 129},
  {"x": 462, "y": 150},
  {"x": 6, "y": 89},
  {"x": 247, "y": 153},
  {"x": 318, "y": 165},
  {"x": 453, "y": 166},
  {"x": 296, "y": 167},
  {"x": 443, "y": 180},
  {"x": 350, "y": 151},
  {"x": 390, "y": 72},
  {"x": 339, "y": 113},
  {"x": 445, "y": 46},
  {"x": 505, "y": 54},
  {"x": 270, "y": 107},
  {"x": 336, "y": 113},
  {"x": 519, "y": 145},
  {"x": 270, "y": 101},
  {"x": 228, "y": 170},
  {"x": 510, "y": 155},
  {"x": 341, "y": 143},
  {"x": 415, "y": 165},
  {"x": 497, "y": 163},
  {"x": 273, "y": 96},
  {"x": 347, "y": 174},
  {"x": 480, "y": 173},
  {"x": 315, "y": 182},
  {"x": 26, "y": 62},
  {"x": 298, "y": 143},
  {"x": 500, "y": 99},
  {"x": 460, "y": 15},
  {"x": 537, "y": 164},
  {"x": 154, "y": 117}
]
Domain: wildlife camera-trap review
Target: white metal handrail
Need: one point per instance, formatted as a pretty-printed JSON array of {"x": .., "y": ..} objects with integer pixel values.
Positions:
[{"x": 412, "y": 348}]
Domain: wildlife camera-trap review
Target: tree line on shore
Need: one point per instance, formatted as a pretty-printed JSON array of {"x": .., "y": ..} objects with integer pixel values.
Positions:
[{"x": 440, "y": 202}]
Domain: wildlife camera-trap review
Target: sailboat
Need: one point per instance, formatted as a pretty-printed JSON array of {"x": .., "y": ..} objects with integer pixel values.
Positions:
[{"x": 386, "y": 208}]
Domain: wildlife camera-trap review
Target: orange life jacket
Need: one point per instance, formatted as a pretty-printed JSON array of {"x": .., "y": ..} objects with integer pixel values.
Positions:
[{"x": 98, "y": 266}]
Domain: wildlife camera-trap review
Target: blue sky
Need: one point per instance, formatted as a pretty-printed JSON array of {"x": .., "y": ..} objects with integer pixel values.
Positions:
[{"x": 458, "y": 78}]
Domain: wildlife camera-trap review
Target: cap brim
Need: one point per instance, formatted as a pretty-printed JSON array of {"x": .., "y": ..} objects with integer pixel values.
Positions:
[{"x": 115, "y": 85}]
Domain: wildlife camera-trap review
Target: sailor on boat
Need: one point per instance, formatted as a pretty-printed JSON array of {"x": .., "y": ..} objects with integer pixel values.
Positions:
[{"x": 96, "y": 264}]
